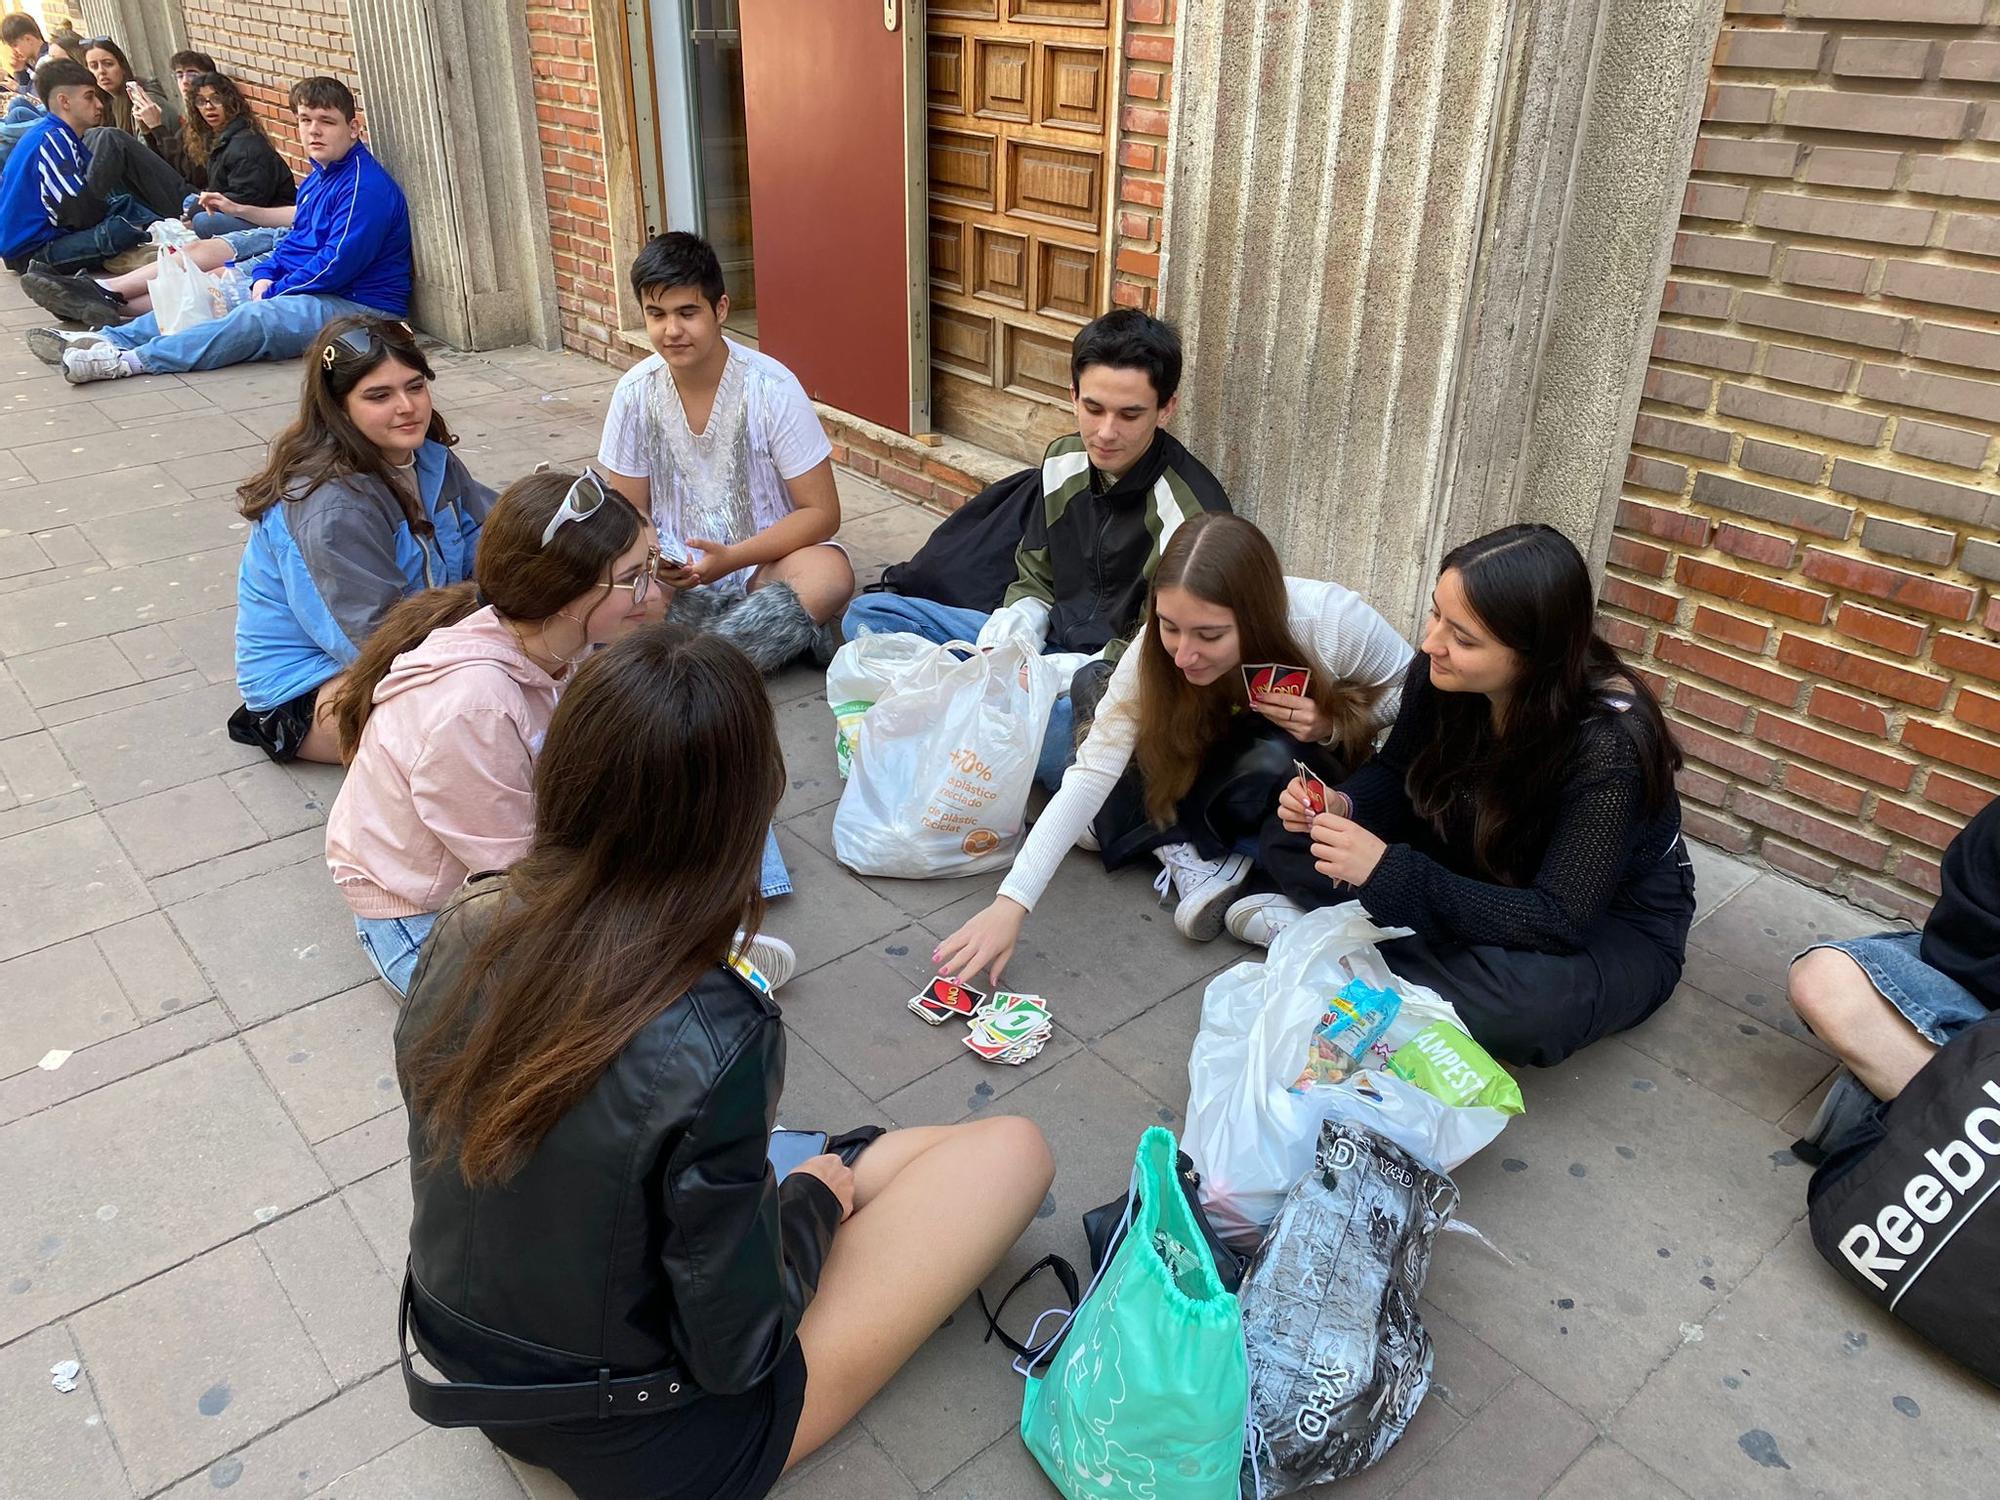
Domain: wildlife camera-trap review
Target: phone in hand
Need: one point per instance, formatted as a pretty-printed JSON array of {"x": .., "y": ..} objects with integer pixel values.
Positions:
[
  {"x": 134, "y": 90},
  {"x": 791, "y": 1147}
]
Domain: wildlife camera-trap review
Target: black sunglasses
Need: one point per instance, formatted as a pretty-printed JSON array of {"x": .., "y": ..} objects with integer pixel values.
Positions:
[{"x": 363, "y": 343}]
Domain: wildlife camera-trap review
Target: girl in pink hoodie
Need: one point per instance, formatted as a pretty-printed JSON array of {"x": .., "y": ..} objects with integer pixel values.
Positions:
[{"x": 441, "y": 717}]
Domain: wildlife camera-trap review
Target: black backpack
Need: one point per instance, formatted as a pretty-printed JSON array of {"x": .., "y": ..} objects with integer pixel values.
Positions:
[
  {"x": 1907, "y": 1209},
  {"x": 968, "y": 562}
]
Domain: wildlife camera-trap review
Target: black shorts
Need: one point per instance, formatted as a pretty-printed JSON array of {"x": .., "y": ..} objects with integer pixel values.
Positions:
[
  {"x": 279, "y": 731},
  {"x": 717, "y": 1448}
]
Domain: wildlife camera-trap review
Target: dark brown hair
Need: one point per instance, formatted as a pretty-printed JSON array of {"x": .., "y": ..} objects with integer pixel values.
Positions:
[
  {"x": 1224, "y": 560},
  {"x": 199, "y": 62},
  {"x": 196, "y": 137},
  {"x": 1530, "y": 588},
  {"x": 659, "y": 775},
  {"x": 523, "y": 581},
  {"x": 323, "y": 443},
  {"x": 19, "y": 25},
  {"x": 321, "y": 92}
]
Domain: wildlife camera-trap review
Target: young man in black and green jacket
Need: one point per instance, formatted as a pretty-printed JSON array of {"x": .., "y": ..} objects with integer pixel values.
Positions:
[{"x": 1095, "y": 519}]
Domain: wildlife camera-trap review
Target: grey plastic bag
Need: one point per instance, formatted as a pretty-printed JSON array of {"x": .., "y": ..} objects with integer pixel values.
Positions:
[{"x": 1339, "y": 1359}]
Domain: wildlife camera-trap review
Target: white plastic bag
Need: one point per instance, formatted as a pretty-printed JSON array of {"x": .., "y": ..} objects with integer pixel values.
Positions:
[
  {"x": 860, "y": 673},
  {"x": 1428, "y": 1128},
  {"x": 943, "y": 764},
  {"x": 185, "y": 296},
  {"x": 1249, "y": 1136}
]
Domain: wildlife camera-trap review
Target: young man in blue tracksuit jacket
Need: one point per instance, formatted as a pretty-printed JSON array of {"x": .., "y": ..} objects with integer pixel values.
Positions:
[
  {"x": 347, "y": 251},
  {"x": 51, "y": 212}
]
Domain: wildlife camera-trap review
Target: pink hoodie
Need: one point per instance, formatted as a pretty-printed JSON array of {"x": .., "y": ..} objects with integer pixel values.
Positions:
[{"x": 443, "y": 785}]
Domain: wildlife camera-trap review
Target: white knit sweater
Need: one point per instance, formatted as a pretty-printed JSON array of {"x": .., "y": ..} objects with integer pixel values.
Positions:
[{"x": 1344, "y": 640}]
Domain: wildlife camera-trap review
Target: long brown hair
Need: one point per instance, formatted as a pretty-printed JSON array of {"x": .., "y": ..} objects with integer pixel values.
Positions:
[
  {"x": 653, "y": 790},
  {"x": 513, "y": 572},
  {"x": 196, "y": 138},
  {"x": 323, "y": 443},
  {"x": 1224, "y": 560},
  {"x": 120, "y": 111}
]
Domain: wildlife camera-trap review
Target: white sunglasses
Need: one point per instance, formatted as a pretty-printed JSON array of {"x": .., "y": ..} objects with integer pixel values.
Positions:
[{"x": 570, "y": 509}]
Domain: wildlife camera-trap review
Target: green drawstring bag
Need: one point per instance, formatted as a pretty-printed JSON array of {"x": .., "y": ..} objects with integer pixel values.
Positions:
[{"x": 1146, "y": 1392}]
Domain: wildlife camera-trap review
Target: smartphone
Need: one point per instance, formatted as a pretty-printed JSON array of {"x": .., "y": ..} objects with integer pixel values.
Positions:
[{"x": 790, "y": 1147}]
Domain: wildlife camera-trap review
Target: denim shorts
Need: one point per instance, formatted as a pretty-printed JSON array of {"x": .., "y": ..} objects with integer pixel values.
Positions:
[
  {"x": 393, "y": 945},
  {"x": 1930, "y": 1000}
]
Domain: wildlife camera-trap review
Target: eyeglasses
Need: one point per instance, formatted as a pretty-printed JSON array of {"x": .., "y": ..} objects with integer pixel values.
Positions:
[
  {"x": 363, "y": 343},
  {"x": 579, "y": 503},
  {"x": 642, "y": 583}
]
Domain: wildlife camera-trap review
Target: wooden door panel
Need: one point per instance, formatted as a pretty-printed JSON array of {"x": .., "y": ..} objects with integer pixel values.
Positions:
[{"x": 1022, "y": 112}]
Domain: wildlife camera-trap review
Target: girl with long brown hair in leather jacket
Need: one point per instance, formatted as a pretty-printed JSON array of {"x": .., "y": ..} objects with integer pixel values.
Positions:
[{"x": 592, "y": 1085}]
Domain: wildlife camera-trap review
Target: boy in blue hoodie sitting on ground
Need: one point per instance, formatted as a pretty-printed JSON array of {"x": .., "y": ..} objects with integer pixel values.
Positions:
[
  {"x": 346, "y": 253},
  {"x": 60, "y": 207}
]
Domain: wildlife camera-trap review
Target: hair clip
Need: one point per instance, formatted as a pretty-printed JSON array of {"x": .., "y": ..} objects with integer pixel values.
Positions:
[{"x": 326, "y": 357}]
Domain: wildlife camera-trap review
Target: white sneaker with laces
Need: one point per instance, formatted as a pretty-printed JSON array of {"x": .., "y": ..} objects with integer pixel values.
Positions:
[
  {"x": 83, "y": 363},
  {"x": 1259, "y": 919},
  {"x": 1204, "y": 886},
  {"x": 771, "y": 958}
]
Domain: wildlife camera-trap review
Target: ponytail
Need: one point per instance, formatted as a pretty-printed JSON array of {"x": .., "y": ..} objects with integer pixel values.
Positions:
[{"x": 404, "y": 628}]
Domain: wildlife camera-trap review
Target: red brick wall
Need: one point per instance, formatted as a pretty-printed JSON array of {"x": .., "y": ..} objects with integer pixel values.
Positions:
[
  {"x": 1142, "y": 151},
  {"x": 267, "y": 49},
  {"x": 1807, "y": 551}
]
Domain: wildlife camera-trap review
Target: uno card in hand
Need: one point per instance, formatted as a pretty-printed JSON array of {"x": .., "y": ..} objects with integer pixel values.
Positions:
[
  {"x": 1277, "y": 680},
  {"x": 1314, "y": 788}
]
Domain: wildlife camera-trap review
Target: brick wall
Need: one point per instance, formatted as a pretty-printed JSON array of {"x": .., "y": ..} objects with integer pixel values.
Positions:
[
  {"x": 1142, "y": 151},
  {"x": 267, "y": 49},
  {"x": 1808, "y": 545}
]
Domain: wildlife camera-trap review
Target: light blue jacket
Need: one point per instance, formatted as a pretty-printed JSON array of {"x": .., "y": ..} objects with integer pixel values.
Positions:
[{"x": 319, "y": 572}]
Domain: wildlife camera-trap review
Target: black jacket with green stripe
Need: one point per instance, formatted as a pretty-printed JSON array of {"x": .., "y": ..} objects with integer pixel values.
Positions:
[{"x": 1087, "y": 554}]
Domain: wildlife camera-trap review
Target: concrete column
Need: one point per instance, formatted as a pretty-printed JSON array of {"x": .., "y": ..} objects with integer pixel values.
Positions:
[
  {"x": 150, "y": 31},
  {"x": 451, "y": 113},
  {"x": 1415, "y": 248}
]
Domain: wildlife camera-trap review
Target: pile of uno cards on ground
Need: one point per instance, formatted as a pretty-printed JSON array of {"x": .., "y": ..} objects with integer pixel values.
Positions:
[{"x": 1007, "y": 1028}]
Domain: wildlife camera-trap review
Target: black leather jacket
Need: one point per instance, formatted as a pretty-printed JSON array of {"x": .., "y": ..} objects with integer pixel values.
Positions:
[{"x": 646, "y": 1232}]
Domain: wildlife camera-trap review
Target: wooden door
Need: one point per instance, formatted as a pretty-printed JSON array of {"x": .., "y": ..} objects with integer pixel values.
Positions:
[
  {"x": 833, "y": 119},
  {"x": 1021, "y": 127}
]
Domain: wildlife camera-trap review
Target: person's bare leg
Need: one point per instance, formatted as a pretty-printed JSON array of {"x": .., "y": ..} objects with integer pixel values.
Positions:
[
  {"x": 1834, "y": 995},
  {"x": 132, "y": 285},
  {"x": 935, "y": 1210},
  {"x": 322, "y": 741},
  {"x": 820, "y": 575}
]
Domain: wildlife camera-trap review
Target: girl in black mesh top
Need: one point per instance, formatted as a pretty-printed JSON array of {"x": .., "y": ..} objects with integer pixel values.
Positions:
[{"x": 1521, "y": 818}]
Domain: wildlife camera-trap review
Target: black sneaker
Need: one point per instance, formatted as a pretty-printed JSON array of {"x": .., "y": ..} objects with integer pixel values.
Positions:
[{"x": 75, "y": 299}]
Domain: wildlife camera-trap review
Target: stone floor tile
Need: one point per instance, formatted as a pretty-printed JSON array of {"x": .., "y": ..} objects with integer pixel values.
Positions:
[
  {"x": 73, "y": 502},
  {"x": 1751, "y": 1065},
  {"x": 306, "y": 846},
  {"x": 1761, "y": 999},
  {"x": 1796, "y": 1122},
  {"x": 281, "y": 801},
  {"x": 917, "y": 897},
  {"x": 165, "y": 531},
  {"x": 153, "y": 653},
  {"x": 949, "y": 1403},
  {"x": 855, "y": 1014},
  {"x": 436, "y": 1464},
  {"x": 888, "y": 535},
  {"x": 338, "y": 1288},
  {"x": 381, "y": 1205},
  {"x": 301, "y": 1457},
  {"x": 1629, "y": 1201},
  {"x": 66, "y": 879},
  {"x": 1800, "y": 1387},
  {"x": 74, "y": 671},
  {"x": 209, "y": 640},
  {"x": 185, "y": 435},
  {"x": 1152, "y": 1048},
  {"x": 107, "y": 1062},
  {"x": 862, "y": 497},
  {"x": 68, "y": 547},
  {"x": 965, "y": 1085},
  {"x": 805, "y": 733},
  {"x": 800, "y": 680},
  {"x": 70, "y": 710},
  {"x": 817, "y": 1096},
  {"x": 1717, "y": 877},
  {"x": 183, "y": 826},
  {"x": 156, "y": 746},
  {"x": 365, "y": 1148},
  {"x": 56, "y": 614},
  {"x": 1517, "y": 1446},
  {"x": 1434, "y": 1425},
  {"x": 1607, "y": 1469},
  {"x": 198, "y": 1361},
  {"x": 300, "y": 947},
  {"x": 16, "y": 716},
  {"x": 32, "y": 769},
  {"x": 858, "y": 1471},
  {"x": 537, "y": 1483},
  {"x": 90, "y": 1208},
  {"x": 333, "y": 1062},
  {"x": 828, "y": 915},
  {"x": 54, "y": 1444},
  {"x": 44, "y": 814},
  {"x": 1763, "y": 927},
  {"x": 58, "y": 997},
  {"x": 1467, "y": 1371},
  {"x": 216, "y": 475},
  {"x": 1005, "y": 1471},
  {"x": 19, "y": 554},
  {"x": 151, "y": 966}
]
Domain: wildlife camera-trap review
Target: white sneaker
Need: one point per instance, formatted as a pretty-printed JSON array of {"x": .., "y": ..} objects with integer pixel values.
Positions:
[
  {"x": 1257, "y": 920},
  {"x": 770, "y": 960},
  {"x": 1087, "y": 841},
  {"x": 1204, "y": 886},
  {"x": 49, "y": 345},
  {"x": 81, "y": 364}
]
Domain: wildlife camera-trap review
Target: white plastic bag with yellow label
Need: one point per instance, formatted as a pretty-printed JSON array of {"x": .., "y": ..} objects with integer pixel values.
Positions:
[{"x": 942, "y": 764}]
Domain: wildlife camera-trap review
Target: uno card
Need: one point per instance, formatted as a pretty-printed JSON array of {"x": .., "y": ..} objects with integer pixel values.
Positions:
[
  {"x": 948, "y": 994},
  {"x": 1315, "y": 789},
  {"x": 1276, "y": 679},
  {"x": 931, "y": 1015}
]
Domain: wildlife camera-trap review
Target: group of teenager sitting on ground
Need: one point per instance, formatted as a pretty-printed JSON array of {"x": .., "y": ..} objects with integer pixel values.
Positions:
[
  {"x": 554, "y": 834},
  {"x": 95, "y": 156}
]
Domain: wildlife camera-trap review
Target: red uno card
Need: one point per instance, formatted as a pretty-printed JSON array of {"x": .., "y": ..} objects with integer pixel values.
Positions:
[
  {"x": 948, "y": 994},
  {"x": 1315, "y": 789},
  {"x": 1278, "y": 680}
]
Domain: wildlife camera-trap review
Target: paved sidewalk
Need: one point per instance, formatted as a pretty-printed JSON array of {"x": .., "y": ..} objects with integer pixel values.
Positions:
[{"x": 206, "y": 1203}]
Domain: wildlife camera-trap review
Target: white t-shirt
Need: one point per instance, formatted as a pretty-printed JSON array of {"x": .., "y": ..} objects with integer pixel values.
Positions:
[{"x": 728, "y": 483}]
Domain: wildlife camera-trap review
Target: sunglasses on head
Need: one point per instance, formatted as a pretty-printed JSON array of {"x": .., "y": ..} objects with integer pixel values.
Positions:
[
  {"x": 363, "y": 343},
  {"x": 579, "y": 503}
]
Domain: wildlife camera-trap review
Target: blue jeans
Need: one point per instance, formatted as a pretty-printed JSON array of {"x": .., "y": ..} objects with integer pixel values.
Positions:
[
  {"x": 393, "y": 945},
  {"x": 252, "y": 243},
  {"x": 1937, "y": 1005},
  {"x": 210, "y": 225},
  {"x": 275, "y": 328},
  {"x": 123, "y": 226},
  {"x": 773, "y": 879},
  {"x": 885, "y": 614}
]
